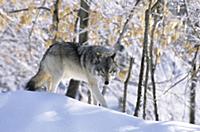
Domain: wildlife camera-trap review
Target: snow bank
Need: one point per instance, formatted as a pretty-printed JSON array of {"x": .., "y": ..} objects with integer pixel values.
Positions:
[{"x": 24, "y": 111}]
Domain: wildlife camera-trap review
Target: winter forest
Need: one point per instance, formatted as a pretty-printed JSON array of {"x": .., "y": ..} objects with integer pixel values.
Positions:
[{"x": 159, "y": 77}]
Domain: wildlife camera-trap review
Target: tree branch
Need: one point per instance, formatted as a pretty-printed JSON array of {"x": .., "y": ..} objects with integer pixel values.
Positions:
[
  {"x": 34, "y": 22},
  {"x": 182, "y": 79},
  {"x": 125, "y": 25},
  {"x": 26, "y": 9}
]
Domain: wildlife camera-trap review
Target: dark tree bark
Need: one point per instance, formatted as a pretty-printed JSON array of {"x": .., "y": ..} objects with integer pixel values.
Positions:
[
  {"x": 146, "y": 85},
  {"x": 193, "y": 88},
  {"x": 157, "y": 8},
  {"x": 83, "y": 15},
  {"x": 119, "y": 47},
  {"x": 126, "y": 84},
  {"x": 194, "y": 71},
  {"x": 55, "y": 19},
  {"x": 145, "y": 45},
  {"x": 72, "y": 89},
  {"x": 152, "y": 71}
]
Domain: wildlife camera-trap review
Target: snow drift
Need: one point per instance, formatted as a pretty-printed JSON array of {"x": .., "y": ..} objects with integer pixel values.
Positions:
[{"x": 24, "y": 111}]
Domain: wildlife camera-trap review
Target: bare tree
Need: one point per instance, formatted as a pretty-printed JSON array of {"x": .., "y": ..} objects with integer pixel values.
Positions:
[
  {"x": 131, "y": 59},
  {"x": 144, "y": 54},
  {"x": 193, "y": 87},
  {"x": 157, "y": 9},
  {"x": 55, "y": 19},
  {"x": 126, "y": 84}
]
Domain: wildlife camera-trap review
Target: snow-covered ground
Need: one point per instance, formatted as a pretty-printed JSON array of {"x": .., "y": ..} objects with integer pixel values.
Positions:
[{"x": 23, "y": 111}]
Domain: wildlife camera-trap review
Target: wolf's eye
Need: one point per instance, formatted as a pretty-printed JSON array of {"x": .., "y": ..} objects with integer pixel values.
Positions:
[
  {"x": 113, "y": 71},
  {"x": 102, "y": 71}
]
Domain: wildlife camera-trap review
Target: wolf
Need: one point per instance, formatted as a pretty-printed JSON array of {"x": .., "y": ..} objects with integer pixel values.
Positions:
[{"x": 68, "y": 60}]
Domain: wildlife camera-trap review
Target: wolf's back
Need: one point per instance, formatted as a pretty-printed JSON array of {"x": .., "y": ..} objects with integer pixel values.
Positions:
[{"x": 52, "y": 59}]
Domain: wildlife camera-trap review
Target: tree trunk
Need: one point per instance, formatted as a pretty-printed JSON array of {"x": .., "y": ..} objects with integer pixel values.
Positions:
[
  {"x": 193, "y": 88},
  {"x": 152, "y": 70},
  {"x": 83, "y": 15},
  {"x": 126, "y": 84},
  {"x": 158, "y": 9},
  {"x": 146, "y": 84},
  {"x": 145, "y": 43},
  {"x": 55, "y": 19}
]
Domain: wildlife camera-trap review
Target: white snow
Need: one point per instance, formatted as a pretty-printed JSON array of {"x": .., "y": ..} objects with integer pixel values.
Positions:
[{"x": 24, "y": 111}]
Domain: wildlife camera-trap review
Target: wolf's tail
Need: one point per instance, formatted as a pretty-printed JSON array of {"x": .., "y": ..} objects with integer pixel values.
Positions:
[{"x": 37, "y": 81}]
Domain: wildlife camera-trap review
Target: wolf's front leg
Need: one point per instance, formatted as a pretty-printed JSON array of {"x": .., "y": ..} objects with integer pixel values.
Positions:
[{"x": 97, "y": 94}]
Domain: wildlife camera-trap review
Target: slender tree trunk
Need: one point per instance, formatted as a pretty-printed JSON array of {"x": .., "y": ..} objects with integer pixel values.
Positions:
[
  {"x": 118, "y": 46},
  {"x": 157, "y": 8},
  {"x": 83, "y": 15},
  {"x": 145, "y": 43},
  {"x": 55, "y": 19},
  {"x": 146, "y": 84},
  {"x": 152, "y": 70},
  {"x": 149, "y": 61},
  {"x": 193, "y": 88},
  {"x": 126, "y": 84}
]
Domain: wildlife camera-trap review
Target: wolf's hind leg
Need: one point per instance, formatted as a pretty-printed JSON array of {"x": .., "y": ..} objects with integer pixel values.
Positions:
[{"x": 53, "y": 83}]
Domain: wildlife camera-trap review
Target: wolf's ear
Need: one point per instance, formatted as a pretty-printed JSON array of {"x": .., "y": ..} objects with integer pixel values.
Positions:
[
  {"x": 119, "y": 47},
  {"x": 113, "y": 56}
]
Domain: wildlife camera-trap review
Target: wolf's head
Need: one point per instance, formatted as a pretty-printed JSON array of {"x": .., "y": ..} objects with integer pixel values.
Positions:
[{"x": 107, "y": 68}]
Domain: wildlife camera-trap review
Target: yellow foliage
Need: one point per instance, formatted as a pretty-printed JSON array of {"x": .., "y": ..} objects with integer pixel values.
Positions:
[
  {"x": 139, "y": 31},
  {"x": 173, "y": 26},
  {"x": 60, "y": 34},
  {"x": 112, "y": 39},
  {"x": 48, "y": 43},
  {"x": 94, "y": 36},
  {"x": 52, "y": 10},
  {"x": 3, "y": 23},
  {"x": 158, "y": 55},
  {"x": 127, "y": 44},
  {"x": 169, "y": 40},
  {"x": 45, "y": 16},
  {"x": 175, "y": 36},
  {"x": 13, "y": 1},
  {"x": 123, "y": 74},
  {"x": 25, "y": 19},
  {"x": 166, "y": 11},
  {"x": 71, "y": 27},
  {"x": 63, "y": 14},
  {"x": 141, "y": 40},
  {"x": 96, "y": 17},
  {"x": 60, "y": 4},
  {"x": 191, "y": 50},
  {"x": 62, "y": 26},
  {"x": 32, "y": 7},
  {"x": 2, "y": 2}
]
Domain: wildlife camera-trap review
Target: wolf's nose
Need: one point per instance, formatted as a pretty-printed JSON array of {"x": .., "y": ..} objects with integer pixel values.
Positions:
[{"x": 106, "y": 82}]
